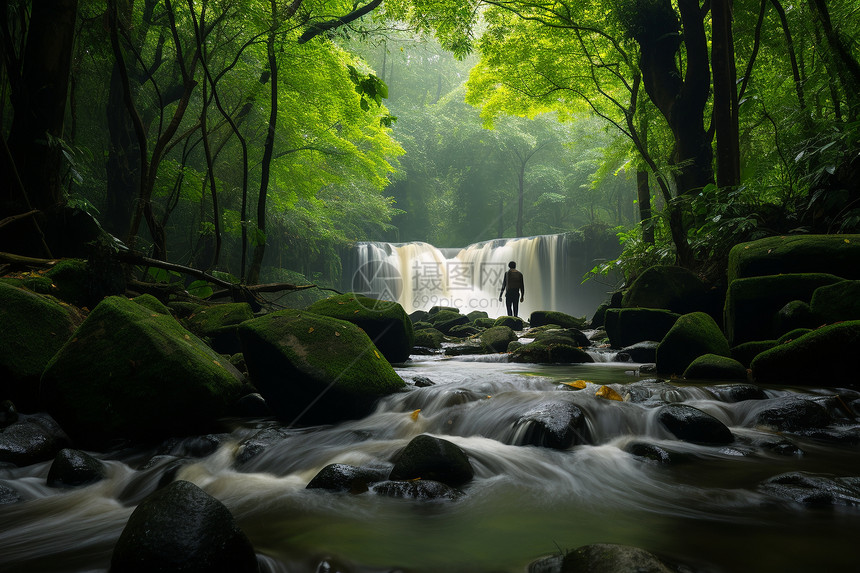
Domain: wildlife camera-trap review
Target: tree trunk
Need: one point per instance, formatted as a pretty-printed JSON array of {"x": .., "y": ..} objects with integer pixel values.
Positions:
[
  {"x": 842, "y": 62},
  {"x": 725, "y": 115},
  {"x": 643, "y": 195}
]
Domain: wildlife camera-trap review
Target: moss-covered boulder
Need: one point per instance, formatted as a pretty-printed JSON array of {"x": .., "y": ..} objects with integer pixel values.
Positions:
[
  {"x": 429, "y": 338},
  {"x": 182, "y": 528},
  {"x": 551, "y": 350},
  {"x": 795, "y": 314},
  {"x": 314, "y": 368},
  {"x": 832, "y": 254},
  {"x": 752, "y": 303},
  {"x": 432, "y": 458},
  {"x": 836, "y": 302},
  {"x": 627, "y": 326},
  {"x": 826, "y": 356},
  {"x": 543, "y": 317},
  {"x": 444, "y": 320},
  {"x": 463, "y": 330},
  {"x": 476, "y": 314},
  {"x": 85, "y": 283},
  {"x": 497, "y": 338},
  {"x": 512, "y": 322},
  {"x": 32, "y": 329},
  {"x": 667, "y": 287},
  {"x": 714, "y": 367},
  {"x": 576, "y": 336},
  {"x": 218, "y": 324},
  {"x": 598, "y": 319},
  {"x": 792, "y": 334},
  {"x": 484, "y": 322},
  {"x": 693, "y": 335},
  {"x": 744, "y": 353},
  {"x": 385, "y": 322},
  {"x": 129, "y": 372}
]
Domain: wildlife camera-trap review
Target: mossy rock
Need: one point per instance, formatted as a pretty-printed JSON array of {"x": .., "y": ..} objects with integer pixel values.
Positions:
[
  {"x": 823, "y": 357},
  {"x": 714, "y": 367},
  {"x": 152, "y": 303},
  {"x": 418, "y": 316},
  {"x": 444, "y": 320},
  {"x": 83, "y": 283},
  {"x": 218, "y": 323},
  {"x": 420, "y": 325},
  {"x": 484, "y": 322},
  {"x": 628, "y": 326},
  {"x": 551, "y": 350},
  {"x": 463, "y": 330},
  {"x": 744, "y": 353},
  {"x": 385, "y": 322},
  {"x": 543, "y": 317},
  {"x": 35, "y": 327},
  {"x": 573, "y": 335},
  {"x": 497, "y": 339},
  {"x": 836, "y": 302},
  {"x": 752, "y": 303},
  {"x": 512, "y": 322},
  {"x": 314, "y": 368},
  {"x": 429, "y": 338},
  {"x": 32, "y": 282},
  {"x": 599, "y": 317},
  {"x": 693, "y": 335},
  {"x": 832, "y": 254},
  {"x": 667, "y": 287},
  {"x": 152, "y": 378},
  {"x": 791, "y": 335},
  {"x": 477, "y": 314},
  {"x": 795, "y": 314},
  {"x": 437, "y": 309}
]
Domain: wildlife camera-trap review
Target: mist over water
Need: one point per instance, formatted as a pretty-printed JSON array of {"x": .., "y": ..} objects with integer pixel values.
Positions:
[{"x": 524, "y": 502}]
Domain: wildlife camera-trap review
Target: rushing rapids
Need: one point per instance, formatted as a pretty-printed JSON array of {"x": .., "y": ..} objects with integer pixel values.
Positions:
[{"x": 708, "y": 508}]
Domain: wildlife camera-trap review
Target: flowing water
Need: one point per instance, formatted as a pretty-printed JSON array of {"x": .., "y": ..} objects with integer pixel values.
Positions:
[{"x": 525, "y": 501}]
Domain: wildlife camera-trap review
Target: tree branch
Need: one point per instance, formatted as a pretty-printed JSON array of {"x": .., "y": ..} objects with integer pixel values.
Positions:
[{"x": 317, "y": 29}]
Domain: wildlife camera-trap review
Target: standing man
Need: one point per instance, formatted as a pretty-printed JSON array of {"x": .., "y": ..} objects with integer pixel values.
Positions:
[{"x": 513, "y": 286}]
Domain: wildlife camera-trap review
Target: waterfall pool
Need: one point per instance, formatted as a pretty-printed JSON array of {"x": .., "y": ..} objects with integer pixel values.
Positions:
[{"x": 707, "y": 510}]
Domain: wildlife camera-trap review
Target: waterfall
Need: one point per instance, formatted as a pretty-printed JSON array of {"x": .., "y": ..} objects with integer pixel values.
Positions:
[{"x": 420, "y": 276}]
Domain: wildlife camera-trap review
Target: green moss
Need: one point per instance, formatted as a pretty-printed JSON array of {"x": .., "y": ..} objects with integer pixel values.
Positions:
[
  {"x": 543, "y": 317},
  {"x": 36, "y": 283},
  {"x": 832, "y": 254},
  {"x": 385, "y": 322},
  {"x": 824, "y": 357},
  {"x": 551, "y": 350},
  {"x": 693, "y": 335},
  {"x": 667, "y": 287},
  {"x": 477, "y": 314},
  {"x": 497, "y": 338},
  {"x": 744, "y": 353},
  {"x": 792, "y": 334},
  {"x": 484, "y": 322},
  {"x": 152, "y": 303},
  {"x": 152, "y": 377},
  {"x": 72, "y": 280},
  {"x": 429, "y": 338},
  {"x": 836, "y": 302},
  {"x": 512, "y": 322},
  {"x": 752, "y": 303},
  {"x": 208, "y": 320},
  {"x": 714, "y": 367}
]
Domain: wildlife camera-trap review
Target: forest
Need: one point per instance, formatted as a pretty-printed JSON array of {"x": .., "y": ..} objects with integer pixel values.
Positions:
[{"x": 257, "y": 140}]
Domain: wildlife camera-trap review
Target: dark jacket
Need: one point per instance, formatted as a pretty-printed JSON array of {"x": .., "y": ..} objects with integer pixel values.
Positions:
[{"x": 513, "y": 283}]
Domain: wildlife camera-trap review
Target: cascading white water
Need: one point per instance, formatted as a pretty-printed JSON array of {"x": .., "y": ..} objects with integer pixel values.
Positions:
[{"x": 420, "y": 276}]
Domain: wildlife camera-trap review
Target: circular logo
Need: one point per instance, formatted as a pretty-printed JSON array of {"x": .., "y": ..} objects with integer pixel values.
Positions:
[{"x": 378, "y": 280}]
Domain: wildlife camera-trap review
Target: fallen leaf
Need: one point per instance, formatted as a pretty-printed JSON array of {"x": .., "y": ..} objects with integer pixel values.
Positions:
[
  {"x": 311, "y": 329},
  {"x": 578, "y": 384},
  {"x": 414, "y": 415},
  {"x": 336, "y": 333},
  {"x": 608, "y": 393}
]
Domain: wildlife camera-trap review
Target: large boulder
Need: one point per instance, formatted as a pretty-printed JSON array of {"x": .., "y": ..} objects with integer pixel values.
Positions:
[
  {"x": 612, "y": 558},
  {"x": 432, "y": 458},
  {"x": 72, "y": 468},
  {"x": 182, "y": 528},
  {"x": 513, "y": 322},
  {"x": 823, "y": 357},
  {"x": 346, "y": 478},
  {"x": 385, "y": 322},
  {"x": 30, "y": 440},
  {"x": 627, "y": 326},
  {"x": 129, "y": 372},
  {"x": 497, "y": 339},
  {"x": 556, "y": 424},
  {"x": 714, "y": 367},
  {"x": 551, "y": 350},
  {"x": 746, "y": 352},
  {"x": 833, "y": 254},
  {"x": 218, "y": 324},
  {"x": 836, "y": 302},
  {"x": 752, "y": 304},
  {"x": 795, "y": 314},
  {"x": 693, "y": 425},
  {"x": 543, "y": 317},
  {"x": 667, "y": 287},
  {"x": 693, "y": 335},
  {"x": 444, "y": 320},
  {"x": 34, "y": 328},
  {"x": 316, "y": 368},
  {"x": 429, "y": 338}
]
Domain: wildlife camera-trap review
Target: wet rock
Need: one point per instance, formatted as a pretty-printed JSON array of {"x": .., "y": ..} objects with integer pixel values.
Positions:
[
  {"x": 791, "y": 414},
  {"x": 557, "y": 425},
  {"x": 497, "y": 339},
  {"x": 430, "y": 458},
  {"x": 253, "y": 405},
  {"x": 418, "y": 316},
  {"x": 512, "y": 322},
  {"x": 838, "y": 435},
  {"x": 259, "y": 442},
  {"x": 824, "y": 357},
  {"x": 780, "y": 446},
  {"x": 654, "y": 453},
  {"x": 645, "y": 351},
  {"x": 542, "y": 317},
  {"x": 464, "y": 350},
  {"x": 484, "y": 322},
  {"x": 8, "y": 413},
  {"x": 346, "y": 478},
  {"x": 668, "y": 287},
  {"x": 693, "y": 335},
  {"x": 791, "y": 335},
  {"x": 714, "y": 367},
  {"x": 152, "y": 378},
  {"x": 814, "y": 490},
  {"x": 8, "y": 495},
  {"x": 476, "y": 315},
  {"x": 551, "y": 349},
  {"x": 738, "y": 392},
  {"x": 193, "y": 446},
  {"x": 315, "y": 369},
  {"x": 611, "y": 558},
  {"x": 385, "y": 322},
  {"x": 182, "y": 528},
  {"x": 575, "y": 336},
  {"x": 33, "y": 439},
  {"x": 437, "y": 309},
  {"x": 693, "y": 425},
  {"x": 419, "y": 489},
  {"x": 464, "y": 331},
  {"x": 72, "y": 468},
  {"x": 422, "y": 382}
]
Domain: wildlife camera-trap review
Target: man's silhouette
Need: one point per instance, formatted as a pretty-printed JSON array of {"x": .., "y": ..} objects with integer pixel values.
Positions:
[{"x": 513, "y": 288}]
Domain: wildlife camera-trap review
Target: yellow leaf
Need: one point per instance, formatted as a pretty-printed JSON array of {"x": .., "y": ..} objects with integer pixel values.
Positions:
[
  {"x": 311, "y": 329},
  {"x": 414, "y": 415},
  {"x": 847, "y": 240},
  {"x": 578, "y": 384},
  {"x": 216, "y": 363},
  {"x": 336, "y": 333},
  {"x": 608, "y": 393},
  {"x": 355, "y": 311},
  {"x": 377, "y": 353}
]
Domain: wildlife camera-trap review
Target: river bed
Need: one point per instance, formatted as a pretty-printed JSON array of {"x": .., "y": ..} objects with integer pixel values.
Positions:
[{"x": 706, "y": 511}]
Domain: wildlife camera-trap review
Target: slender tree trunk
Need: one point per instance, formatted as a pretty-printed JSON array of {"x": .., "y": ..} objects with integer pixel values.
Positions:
[
  {"x": 792, "y": 54},
  {"x": 725, "y": 115},
  {"x": 842, "y": 62}
]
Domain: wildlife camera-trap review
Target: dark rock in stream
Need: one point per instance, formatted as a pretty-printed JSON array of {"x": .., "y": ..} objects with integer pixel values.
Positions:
[
  {"x": 8, "y": 495},
  {"x": 693, "y": 425},
  {"x": 419, "y": 489},
  {"x": 33, "y": 439},
  {"x": 430, "y": 458},
  {"x": 260, "y": 441},
  {"x": 814, "y": 490},
  {"x": 791, "y": 414},
  {"x": 604, "y": 558},
  {"x": 8, "y": 414},
  {"x": 182, "y": 528},
  {"x": 422, "y": 382},
  {"x": 347, "y": 478},
  {"x": 645, "y": 351},
  {"x": 655, "y": 453},
  {"x": 72, "y": 468},
  {"x": 738, "y": 392},
  {"x": 557, "y": 425}
]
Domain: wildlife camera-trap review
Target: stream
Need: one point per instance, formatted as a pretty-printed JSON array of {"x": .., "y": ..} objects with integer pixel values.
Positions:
[{"x": 525, "y": 502}]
